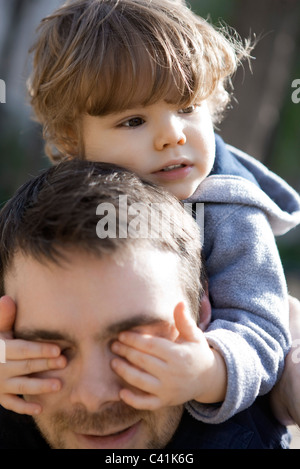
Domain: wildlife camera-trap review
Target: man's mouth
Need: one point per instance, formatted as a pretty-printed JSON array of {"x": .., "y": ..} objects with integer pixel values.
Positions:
[{"x": 114, "y": 440}]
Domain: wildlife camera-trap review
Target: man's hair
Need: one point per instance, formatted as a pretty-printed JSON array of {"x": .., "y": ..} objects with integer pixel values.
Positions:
[
  {"x": 104, "y": 56},
  {"x": 57, "y": 210}
]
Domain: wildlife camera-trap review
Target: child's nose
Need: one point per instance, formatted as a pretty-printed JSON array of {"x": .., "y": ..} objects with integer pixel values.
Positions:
[{"x": 170, "y": 133}]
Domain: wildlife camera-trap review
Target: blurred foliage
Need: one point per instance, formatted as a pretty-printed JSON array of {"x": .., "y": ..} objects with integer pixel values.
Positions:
[
  {"x": 283, "y": 156},
  {"x": 284, "y": 159},
  {"x": 214, "y": 9},
  {"x": 21, "y": 156}
]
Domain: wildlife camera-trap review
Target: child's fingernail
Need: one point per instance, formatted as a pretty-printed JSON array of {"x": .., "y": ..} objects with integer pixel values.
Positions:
[
  {"x": 122, "y": 336},
  {"x": 115, "y": 347},
  {"x": 55, "y": 387},
  {"x": 60, "y": 362},
  {"x": 55, "y": 351},
  {"x": 114, "y": 364}
]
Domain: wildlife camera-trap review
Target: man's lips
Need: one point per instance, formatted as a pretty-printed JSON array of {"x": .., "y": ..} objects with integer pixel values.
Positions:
[{"x": 114, "y": 439}]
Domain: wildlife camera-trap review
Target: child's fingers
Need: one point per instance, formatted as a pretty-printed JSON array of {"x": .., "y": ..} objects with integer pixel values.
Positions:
[
  {"x": 187, "y": 328},
  {"x": 158, "y": 347},
  {"x": 18, "y": 405},
  {"x": 148, "y": 363},
  {"x": 7, "y": 314},
  {"x": 135, "y": 377},
  {"x": 18, "y": 349},
  {"x": 139, "y": 401},
  {"x": 27, "y": 386},
  {"x": 32, "y": 386},
  {"x": 31, "y": 366}
]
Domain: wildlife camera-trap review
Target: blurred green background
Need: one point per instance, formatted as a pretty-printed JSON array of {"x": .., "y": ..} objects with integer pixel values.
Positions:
[{"x": 263, "y": 120}]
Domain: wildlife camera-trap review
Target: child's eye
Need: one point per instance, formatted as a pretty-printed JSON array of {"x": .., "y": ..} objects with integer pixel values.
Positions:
[
  {"x": 133, "y": 122},
  {"x": 188, "y": 110}
]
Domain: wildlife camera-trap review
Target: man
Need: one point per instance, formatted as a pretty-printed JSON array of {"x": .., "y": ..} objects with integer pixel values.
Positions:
[{"x": 79, "y": 292}]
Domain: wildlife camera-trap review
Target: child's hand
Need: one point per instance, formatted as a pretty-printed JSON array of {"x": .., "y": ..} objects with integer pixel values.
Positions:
[
  {"x": 167, "y": 373},
  {"x": 23, "y": 358}
]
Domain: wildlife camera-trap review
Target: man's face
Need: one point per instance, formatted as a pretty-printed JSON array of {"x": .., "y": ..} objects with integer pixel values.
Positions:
[
  {"x": 171, "y": 147},
  {"x": 82, "y": 305}
]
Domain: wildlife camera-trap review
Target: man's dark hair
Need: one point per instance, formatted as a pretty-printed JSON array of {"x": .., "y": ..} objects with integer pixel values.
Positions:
[{"x": 57, "y": 210}]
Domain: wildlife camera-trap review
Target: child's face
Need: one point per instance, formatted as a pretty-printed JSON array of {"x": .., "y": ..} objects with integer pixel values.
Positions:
[{"x": 171, "y": 147}]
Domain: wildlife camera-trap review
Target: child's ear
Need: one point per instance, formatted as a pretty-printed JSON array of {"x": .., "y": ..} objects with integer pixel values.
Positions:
[{"x": 204, "y": 311}]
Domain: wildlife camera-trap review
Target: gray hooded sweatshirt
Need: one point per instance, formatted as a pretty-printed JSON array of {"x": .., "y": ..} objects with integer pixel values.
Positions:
[{"x": 245, "y": 205}]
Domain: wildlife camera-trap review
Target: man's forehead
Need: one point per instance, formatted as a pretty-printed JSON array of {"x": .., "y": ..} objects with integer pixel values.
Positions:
[
  {"x": 94, "y": 296},
  {"x": 138, "y": 257}
]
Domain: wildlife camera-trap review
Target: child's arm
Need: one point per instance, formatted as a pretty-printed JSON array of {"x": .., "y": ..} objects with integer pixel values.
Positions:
[
  {"x": 22, "y": 359},
  {"x": 249, "y": 306},
  {"x": 170, "y": 373},
  {"x": 285, "y": 397}
]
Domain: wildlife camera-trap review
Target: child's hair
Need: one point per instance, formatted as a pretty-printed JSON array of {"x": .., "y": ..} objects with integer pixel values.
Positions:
[{"x": 105, "y": 56}]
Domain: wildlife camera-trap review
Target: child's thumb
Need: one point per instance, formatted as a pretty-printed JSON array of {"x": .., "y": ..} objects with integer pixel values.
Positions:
[
  {"x": 185, "y": 325},
  {"x": 7, "y": 314}
]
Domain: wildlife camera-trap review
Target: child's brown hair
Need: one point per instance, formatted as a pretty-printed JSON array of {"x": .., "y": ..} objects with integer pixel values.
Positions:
[{"x": 105, "y": 56}]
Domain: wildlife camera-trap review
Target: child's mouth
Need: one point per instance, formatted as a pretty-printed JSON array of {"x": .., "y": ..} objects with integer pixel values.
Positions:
[
  {"x": 173, "y": 172},
  {"x": 174, "y": 166}
]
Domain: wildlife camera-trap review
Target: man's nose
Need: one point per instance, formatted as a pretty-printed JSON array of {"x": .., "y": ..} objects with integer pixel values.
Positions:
[
  {"x": 95, "y": 385},
  {"x": 169, "y": 133}
]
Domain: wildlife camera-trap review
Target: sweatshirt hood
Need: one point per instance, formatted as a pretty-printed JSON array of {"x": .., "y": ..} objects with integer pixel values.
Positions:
[{"x": 238, "y": 178}]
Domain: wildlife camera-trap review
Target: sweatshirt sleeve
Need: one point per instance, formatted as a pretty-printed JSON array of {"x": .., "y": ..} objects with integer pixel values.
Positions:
[{"x": 249, "y": 300}]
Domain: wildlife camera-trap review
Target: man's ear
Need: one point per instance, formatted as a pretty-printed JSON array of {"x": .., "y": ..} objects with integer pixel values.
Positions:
[{"x": 204, "y": 310}]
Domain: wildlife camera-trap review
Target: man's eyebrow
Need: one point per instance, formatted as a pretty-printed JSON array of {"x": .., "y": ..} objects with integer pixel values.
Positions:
[
  {"x": 112, "y": 330},
  {"x": 34, "y": 335}
]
